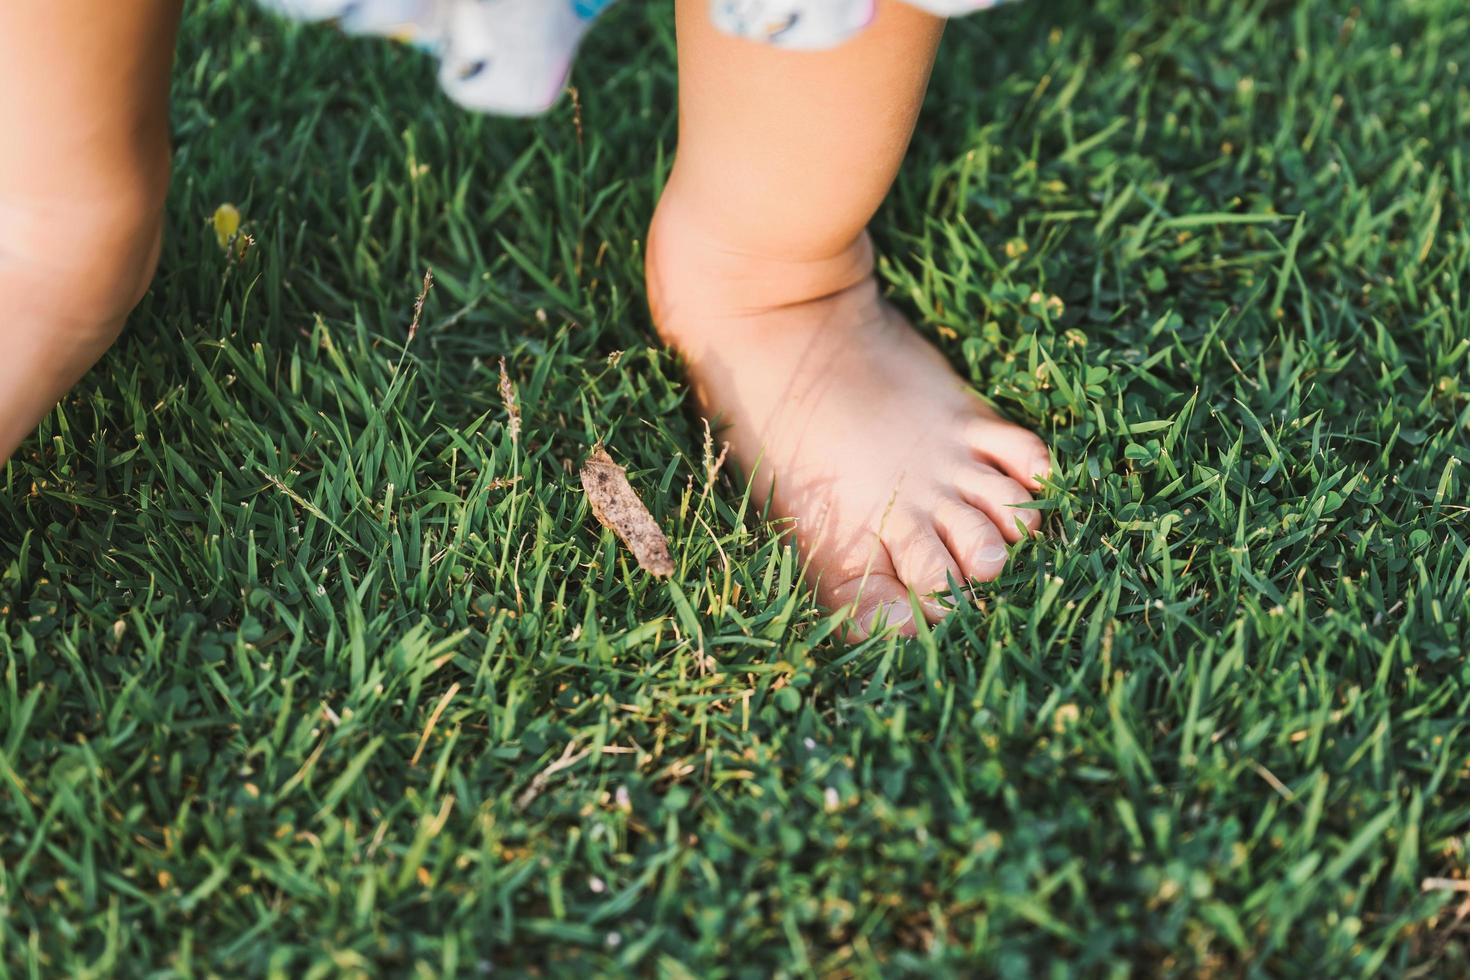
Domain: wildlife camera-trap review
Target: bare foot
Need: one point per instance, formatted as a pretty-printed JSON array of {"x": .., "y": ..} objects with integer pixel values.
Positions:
[{"x": 896, "y": 475}]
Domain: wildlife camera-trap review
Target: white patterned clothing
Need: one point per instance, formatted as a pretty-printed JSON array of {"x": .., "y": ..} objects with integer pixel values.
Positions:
[{"x": 512, "y": 57}]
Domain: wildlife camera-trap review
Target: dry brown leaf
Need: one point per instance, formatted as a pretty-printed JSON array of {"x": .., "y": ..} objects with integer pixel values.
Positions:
[{"x": 617, "y": 507}]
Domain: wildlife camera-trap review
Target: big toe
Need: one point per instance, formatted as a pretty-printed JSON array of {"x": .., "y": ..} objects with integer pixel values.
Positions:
[{"x": 878, "y": 601}]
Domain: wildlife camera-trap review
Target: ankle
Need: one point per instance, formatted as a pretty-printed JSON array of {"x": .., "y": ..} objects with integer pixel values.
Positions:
[{"x": 696, "y": 270}]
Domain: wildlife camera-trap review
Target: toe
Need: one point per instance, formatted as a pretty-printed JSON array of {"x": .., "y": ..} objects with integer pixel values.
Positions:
[
  {"x": 973, "y": 539},
  {"x": 1015, "y": 451},
  {"x": 878, "y": 601},
  {"x": 924, "y": 564},
  {"x": 996, "y": 495}
]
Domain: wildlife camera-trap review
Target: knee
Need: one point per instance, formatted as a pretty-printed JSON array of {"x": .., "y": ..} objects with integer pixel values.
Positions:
[{"x": 81, "y": 264}]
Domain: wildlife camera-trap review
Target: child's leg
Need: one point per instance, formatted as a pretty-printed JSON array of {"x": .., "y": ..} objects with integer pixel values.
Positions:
[
  {"x": 84, "y": 110},
  {"x": 761, "y": 274}
]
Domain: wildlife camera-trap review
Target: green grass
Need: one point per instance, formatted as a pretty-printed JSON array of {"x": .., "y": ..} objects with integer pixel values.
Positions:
[{"x": 309, "y": 668}]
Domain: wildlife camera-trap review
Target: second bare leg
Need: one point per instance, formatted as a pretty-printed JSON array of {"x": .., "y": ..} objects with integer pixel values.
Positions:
[{"x": 84, "y": 106}]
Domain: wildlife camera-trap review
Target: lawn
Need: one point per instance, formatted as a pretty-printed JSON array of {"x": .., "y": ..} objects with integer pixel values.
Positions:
[{"x": 311, "y": 665}]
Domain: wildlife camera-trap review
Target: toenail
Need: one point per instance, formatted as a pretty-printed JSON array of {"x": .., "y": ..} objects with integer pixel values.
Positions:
[
  {"x": 1041, "y": 465},
  {"x": 892, "y": 615},
  {"x": 993, "y": 553}
]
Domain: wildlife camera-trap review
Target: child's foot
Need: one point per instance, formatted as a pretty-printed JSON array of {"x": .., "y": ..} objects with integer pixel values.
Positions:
[{"x": 896, "y": 475}]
